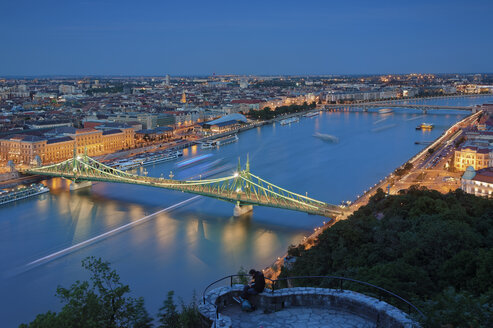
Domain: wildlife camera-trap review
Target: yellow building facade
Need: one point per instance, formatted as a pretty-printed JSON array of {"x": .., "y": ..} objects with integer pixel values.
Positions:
[
  {"x": 476, "y": 157},
  {"x": 22, "y": 149}
]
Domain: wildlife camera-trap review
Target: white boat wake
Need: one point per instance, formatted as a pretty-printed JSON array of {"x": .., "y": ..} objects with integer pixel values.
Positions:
[
  {"x": 102, "y": 236},
  {"x": 415, "y": 118},
  {"x": 383, "y": 128}
]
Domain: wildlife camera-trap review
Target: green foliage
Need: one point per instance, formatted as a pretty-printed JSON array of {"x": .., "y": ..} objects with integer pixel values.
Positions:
[
  {"x": 243, "y": 277},
  {"x": 458, "y": 309},
  {"x": 168, "y": 316},
  {"x": 189, "y": 317},
  {"x": 433, "y": 249},
  {"x": 102, "y": 302},
  {"x": 294, "y": 250},
  {"x": 45, "y": 320},
  {"x": 403, "y": 169},
  {"x": 268, "y": 114}
]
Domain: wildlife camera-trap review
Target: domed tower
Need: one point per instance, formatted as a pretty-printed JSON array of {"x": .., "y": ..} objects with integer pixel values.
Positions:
[{"x": 183, "y": 98}]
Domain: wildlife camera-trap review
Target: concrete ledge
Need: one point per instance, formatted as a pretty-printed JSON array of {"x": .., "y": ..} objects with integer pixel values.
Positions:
[
  {"x": 80, "y": 185},
  {"x": 383, "y": 314}
]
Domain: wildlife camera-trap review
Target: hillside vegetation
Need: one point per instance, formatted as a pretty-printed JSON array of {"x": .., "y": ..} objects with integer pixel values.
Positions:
[{"x": 433, "y": 249}]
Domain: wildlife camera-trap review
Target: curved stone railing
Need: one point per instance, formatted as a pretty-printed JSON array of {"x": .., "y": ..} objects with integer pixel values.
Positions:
[{"x": 383, "y": 314}]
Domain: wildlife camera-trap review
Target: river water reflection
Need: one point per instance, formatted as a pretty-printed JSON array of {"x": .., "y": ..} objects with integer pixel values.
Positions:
[{"x": 185, "y": 249}]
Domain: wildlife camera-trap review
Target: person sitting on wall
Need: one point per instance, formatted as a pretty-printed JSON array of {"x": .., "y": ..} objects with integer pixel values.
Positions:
[{"x": 256, "y": 285}]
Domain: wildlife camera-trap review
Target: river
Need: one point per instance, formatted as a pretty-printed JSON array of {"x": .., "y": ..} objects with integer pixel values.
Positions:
[{"x": 187, "y": 247}]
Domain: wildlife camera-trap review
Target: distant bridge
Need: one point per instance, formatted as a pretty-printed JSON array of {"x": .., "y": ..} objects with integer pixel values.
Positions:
[
  {"x": 426, "y": 107},
  {"x": 242, "y": 188}
]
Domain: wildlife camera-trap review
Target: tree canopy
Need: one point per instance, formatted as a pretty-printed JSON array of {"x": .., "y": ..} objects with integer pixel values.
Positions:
[
  {"x": 433, "y": 249},
  {"x": 267, "y": 113},
  {"x": 104, "y": 302}
]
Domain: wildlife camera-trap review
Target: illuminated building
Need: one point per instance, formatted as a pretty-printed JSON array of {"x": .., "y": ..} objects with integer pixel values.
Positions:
[
  {"x": 183, "y": 98},
  {"x": 23, "y": 149},
  {"x": 479, "y": 183},
  {"x": 475, "y": 156}
]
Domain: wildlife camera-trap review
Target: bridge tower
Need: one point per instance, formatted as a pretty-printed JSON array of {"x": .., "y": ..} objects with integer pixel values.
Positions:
[
  {"x": 76, "y": 184},
  {"x": 242, "y": 209}
]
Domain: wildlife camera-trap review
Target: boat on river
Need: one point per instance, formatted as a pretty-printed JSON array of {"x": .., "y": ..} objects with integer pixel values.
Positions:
[
  {"x": 128, "y": 165},
  {"x": 326, "y": 137},
  {"x": 385, "y": 110},
  {"x": 219, "y": 142},
  {"x": 21, "y": 192},
  {"x": 211, "y": 144},
  {"x": 425, "y": 126},
  {"x": 290, "y": 120},
  {"x": 311, "y": 114},
  {"x": 227, "y": 140}
]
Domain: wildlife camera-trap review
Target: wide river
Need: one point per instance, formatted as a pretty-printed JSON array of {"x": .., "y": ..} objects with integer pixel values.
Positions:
[{"x": 190, "y": 246}]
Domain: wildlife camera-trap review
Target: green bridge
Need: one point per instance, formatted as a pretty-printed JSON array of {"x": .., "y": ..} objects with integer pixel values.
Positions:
[{"x": 242, "y": 188}]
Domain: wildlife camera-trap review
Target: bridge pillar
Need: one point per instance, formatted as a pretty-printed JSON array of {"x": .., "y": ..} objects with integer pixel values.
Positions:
[
  {"x": 242, "y": 209},
  {"x": 80, "y": 185},
  {"x": 425, "y": 111}
]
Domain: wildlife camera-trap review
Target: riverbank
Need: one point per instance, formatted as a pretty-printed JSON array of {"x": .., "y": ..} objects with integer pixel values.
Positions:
[
  {"x": 201, "y": 241},
  {"x": 390, "y": 180}
]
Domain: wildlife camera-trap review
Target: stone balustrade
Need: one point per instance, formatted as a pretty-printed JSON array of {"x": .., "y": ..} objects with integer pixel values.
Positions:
[{"x": 369, "y": 308}]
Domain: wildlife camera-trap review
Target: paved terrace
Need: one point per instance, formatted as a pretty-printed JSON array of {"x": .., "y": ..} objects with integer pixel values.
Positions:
[
  {"x": 296, "y": 317},
  {"x": 302, "y": 307}
]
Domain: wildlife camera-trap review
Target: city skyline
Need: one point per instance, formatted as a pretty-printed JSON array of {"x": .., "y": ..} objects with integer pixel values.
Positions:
[{"x": 193, "y": 38}]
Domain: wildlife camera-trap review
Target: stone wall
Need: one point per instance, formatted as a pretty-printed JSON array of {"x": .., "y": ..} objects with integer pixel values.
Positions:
[{"x": 383, "y": 314}]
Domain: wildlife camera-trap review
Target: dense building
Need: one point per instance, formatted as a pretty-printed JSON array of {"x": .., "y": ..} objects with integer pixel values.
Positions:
[
  {"x": 66, "y": 89},
  {"x": 479, "y": 183},
  {"x": 243, "y": 105},
  {"x": 58, "y": 145},
  {"x": 152, "y": 135},
  {"x": 148, "y": 121}
]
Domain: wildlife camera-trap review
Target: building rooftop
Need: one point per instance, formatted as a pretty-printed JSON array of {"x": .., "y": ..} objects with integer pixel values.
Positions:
[
  {"x": 61, "y": 139},
  {"x": 112, "y": 131},
  {"x": 230, "y": 117},
  {"x": 62, "y": 130},
  {"x": 225, "y": 123},
  {"x": 484, "y": 175}
]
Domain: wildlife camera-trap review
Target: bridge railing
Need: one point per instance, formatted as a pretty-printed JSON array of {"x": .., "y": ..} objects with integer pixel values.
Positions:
[{"x": 242, "y": 187}]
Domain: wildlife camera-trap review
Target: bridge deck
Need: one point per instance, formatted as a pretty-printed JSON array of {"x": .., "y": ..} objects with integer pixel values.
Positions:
[
  {"x": 391, "y": 105},
  {"x": 242, "y": 188}
]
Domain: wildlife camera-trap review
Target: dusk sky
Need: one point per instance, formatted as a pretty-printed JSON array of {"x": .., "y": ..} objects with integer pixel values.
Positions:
[{"x": 104, "y": 37}]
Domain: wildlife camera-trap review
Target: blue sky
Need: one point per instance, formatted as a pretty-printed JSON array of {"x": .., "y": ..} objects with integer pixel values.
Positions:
[{"x": 105, "y": 37}]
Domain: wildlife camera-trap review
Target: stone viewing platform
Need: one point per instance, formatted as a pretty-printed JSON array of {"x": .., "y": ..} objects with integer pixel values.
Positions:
[{"x": 302, "y": 307}]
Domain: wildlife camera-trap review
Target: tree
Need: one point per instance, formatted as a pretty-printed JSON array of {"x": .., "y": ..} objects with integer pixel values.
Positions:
[
  {"x": 100, "y": 302},
  {"x": 189, "y": 317},
  {"x": 168, "y": 316},
  {"x": 433, "y": 249}
]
